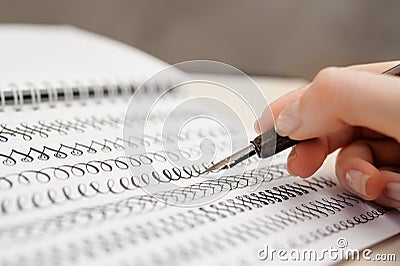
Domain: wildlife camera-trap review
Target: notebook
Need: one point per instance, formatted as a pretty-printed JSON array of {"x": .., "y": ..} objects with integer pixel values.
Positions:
[{"x": 75, "y": 189}]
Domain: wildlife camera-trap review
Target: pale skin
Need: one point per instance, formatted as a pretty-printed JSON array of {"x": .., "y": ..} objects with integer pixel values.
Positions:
[{"x": 352, "y": 108}]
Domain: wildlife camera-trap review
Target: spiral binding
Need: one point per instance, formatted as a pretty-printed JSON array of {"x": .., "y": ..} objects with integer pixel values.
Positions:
[{"x": 17, "y": 96}]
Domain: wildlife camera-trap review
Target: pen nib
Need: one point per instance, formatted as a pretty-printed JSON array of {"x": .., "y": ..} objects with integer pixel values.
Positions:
[{"x": 232, "y": 160}]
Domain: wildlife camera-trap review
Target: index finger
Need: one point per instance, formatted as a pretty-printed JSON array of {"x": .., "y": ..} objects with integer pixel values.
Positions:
[
  {"x": 264, "y": 123},
  {"x": 342, "y": 97}
]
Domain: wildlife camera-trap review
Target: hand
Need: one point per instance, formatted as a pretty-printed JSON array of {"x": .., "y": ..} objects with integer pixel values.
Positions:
[{"x": 353, "y": 108}]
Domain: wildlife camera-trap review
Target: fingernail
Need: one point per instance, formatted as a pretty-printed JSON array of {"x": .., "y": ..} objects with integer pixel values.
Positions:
[
  {"x": 288, "y": 120},
  {"x": 357, "y": 181},
  {"x": 392, "y": 190},
  {"x": 291, "y": 156},
  {"x": 257, "y": 126}
]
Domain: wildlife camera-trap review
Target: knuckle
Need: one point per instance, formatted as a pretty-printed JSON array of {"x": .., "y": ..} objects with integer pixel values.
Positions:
[{"x": 324, "y": 81}]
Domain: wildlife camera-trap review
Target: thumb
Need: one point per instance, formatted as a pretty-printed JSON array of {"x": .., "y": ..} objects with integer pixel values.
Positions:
[{"x": 340, "y": 97}]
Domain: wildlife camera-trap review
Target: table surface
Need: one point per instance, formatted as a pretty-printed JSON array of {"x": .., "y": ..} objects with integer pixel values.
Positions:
[{"x": 273, "y": 88}]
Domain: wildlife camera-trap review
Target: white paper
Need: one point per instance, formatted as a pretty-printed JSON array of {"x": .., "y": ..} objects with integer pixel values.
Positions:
[
  {"x": 72, "y": 232},
  {"x": 65, "y": 55}
]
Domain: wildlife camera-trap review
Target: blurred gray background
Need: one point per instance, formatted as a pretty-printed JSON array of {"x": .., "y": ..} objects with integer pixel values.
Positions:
[{"x": 282, "y": 37}]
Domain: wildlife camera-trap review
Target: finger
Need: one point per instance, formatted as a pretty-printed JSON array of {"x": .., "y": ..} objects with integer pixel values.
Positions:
[
  {"x": 356, "y": 166},
  {"x": 340, "y": 97},
  {"x": 385, "y": 153},
  {"x": 307, "y": 157},
  {"x": 265, "y": 123},
  {"x": 391, "y": 193},
  {"x": 278, "y": 105}
]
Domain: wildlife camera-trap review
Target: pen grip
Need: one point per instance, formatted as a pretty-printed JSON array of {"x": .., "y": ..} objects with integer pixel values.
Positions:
[
  {"x": 395, "y": 71},
  {"x": 270, "y": 143}
]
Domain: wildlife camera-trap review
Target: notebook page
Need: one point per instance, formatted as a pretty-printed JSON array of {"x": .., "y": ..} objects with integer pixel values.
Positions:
[
  {"x": 67, "y": 206},
  {"x": 65, "y": 55}
]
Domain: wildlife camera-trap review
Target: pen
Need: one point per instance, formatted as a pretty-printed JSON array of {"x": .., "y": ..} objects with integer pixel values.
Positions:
[{"x": 269, "y": 143}]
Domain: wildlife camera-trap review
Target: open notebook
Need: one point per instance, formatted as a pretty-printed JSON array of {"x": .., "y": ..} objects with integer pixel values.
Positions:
[{"x": 69, "y": 196}]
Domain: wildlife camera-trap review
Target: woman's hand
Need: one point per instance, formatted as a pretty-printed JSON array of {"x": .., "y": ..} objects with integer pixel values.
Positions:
[{"x": 355, "y": 109}]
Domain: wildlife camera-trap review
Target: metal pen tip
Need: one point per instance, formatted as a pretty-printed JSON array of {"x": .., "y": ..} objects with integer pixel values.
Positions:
[
  {"x": 232, "y": 160},
  {"x": 220, "y": 165}
]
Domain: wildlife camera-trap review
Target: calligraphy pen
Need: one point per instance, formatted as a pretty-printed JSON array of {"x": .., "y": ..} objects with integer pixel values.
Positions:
[{"x": 269, "y": 143}]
